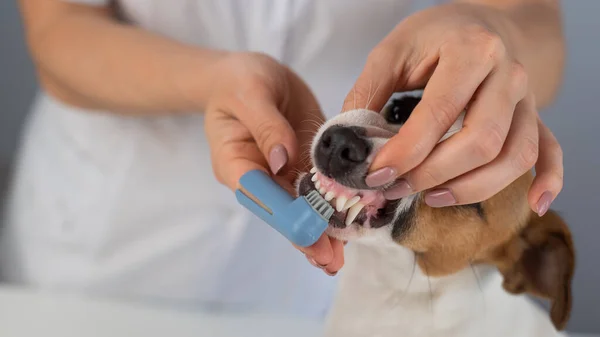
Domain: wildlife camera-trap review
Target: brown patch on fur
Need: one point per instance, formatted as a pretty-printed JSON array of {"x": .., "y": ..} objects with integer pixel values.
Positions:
[
  {"x": 535, "y": 255},
  {"x": 540, "y": 261},
  {"x": 450, "y": 238}
]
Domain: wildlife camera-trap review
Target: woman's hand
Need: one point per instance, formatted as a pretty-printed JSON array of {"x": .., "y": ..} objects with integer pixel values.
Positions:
[
  {"x": 462, "y": 54},
  {"x": 259, "y": 116}
]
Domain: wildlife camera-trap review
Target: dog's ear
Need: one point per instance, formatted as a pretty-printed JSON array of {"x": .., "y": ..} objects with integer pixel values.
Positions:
[{"x": 540, "y": 260}]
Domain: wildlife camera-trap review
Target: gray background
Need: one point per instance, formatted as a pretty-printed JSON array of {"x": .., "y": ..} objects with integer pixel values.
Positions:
[{"x": 574, "y": 118}]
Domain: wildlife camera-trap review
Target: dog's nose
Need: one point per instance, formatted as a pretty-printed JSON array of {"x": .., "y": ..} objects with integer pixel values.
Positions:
[{"x": 340, "y": 150}]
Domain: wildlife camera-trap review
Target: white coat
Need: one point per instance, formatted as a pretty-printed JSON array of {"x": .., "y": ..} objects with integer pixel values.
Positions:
[{"x": 120, "y": 206}]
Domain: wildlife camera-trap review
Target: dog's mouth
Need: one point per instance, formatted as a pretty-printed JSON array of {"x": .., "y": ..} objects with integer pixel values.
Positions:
[{"x": 365, "y": 208}]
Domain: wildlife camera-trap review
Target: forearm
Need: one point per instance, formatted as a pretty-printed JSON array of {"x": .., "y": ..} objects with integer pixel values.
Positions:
[
  {"x": 87, "y": 59},
  {"x": 537, "y": 35}
]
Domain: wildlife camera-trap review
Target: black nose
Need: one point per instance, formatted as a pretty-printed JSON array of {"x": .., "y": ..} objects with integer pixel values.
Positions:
[{"x": 340, "y": 150}]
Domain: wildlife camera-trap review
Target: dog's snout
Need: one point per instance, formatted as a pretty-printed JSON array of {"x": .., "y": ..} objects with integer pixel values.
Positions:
[{"x": 341, "y": 149}]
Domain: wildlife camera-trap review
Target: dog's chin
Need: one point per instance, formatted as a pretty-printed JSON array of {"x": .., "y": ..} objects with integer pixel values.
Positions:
[
  {"x": 356, "y": 212},
  {"x": 350, "y": 233}
]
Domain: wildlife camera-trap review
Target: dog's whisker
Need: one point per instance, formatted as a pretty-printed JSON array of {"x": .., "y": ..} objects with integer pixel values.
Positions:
[
  {"x": 370, "y": 100},
  {"x": 479, "y": 286},
  {"x": 312, "y": 122},
  {"x": 424, "y": 265},
  {"x": 368, "y": 95}
]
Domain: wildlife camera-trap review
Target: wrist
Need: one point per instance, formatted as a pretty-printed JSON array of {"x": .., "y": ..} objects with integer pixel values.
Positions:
[{"x": 196, "y": 75}]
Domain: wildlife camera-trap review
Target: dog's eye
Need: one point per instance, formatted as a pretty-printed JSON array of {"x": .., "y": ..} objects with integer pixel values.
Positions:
[
  {"x": 400, "y": 109},
  {"x": 396, "y": 115}
]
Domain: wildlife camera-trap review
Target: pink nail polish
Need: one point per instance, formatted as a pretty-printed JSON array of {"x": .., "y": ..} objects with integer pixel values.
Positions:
[
  {"x": 278, "y": 157},
  {"x": 400, "y": 189},
  {"x": 381, "y": 177},
  {"x": 543, "y": 204},
  {"x": 440, "y": 198}
]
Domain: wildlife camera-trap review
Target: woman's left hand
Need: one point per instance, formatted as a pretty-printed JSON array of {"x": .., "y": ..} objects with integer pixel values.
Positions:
[{"x": 462, "y": 54}]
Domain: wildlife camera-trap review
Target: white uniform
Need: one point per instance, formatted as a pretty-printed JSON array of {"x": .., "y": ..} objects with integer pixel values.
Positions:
[{"x": 121, "y": 206}]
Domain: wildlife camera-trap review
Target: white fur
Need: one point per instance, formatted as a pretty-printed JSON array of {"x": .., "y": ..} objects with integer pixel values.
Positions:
[{"x": 382, "y": 293}]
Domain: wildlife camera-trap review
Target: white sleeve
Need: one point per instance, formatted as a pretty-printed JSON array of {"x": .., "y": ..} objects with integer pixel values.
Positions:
[{"x": 90, "y": 2}]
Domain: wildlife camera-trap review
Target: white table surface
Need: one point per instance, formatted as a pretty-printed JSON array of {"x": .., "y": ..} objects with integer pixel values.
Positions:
[{"x": 24, "y": 313}]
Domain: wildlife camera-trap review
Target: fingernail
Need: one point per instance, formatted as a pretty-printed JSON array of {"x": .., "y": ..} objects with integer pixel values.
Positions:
[
  {"x": 381, "y": 177},
  {"x": 400, "y": 190},
  {"x": 314, "y": 262},
  {"x": 543, "y": 205},
  {"x": 440, "y": 198},
  {"x": 330, "y": 274},
  {"x": 278, "y": 157}
]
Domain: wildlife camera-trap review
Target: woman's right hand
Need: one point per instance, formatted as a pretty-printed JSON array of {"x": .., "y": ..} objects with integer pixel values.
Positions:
[{"x": 261, "y": 115}]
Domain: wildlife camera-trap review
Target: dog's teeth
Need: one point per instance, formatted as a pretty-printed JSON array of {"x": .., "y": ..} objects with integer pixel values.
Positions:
[
  {"x": 340, "y": 203},
  {"x": 318, "y": 185},
  {"x": 353, "y": 213},
  {"x": 351, "y": 202},
  {"x": 329, "y": 196},
  {"x": 314, "y": 177},
  {"x": 313, "y": 170},
  {"x": 322, "y": 190}
]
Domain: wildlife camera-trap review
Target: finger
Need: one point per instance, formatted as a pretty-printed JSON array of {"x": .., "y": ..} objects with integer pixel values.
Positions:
[
  {"x": 338, "y": 257},
  {"x": 376, "y": 83},
  {"x": 451, "y": 86},
  {"x": 485, "y": 128},
  {"x": 305, "y": 116},
  {"x": 519, "y": 154},
  {"x": 321, "y": 252},
  {"x": 548, "y": 181},
  {"x": 231, "y": 160},
  {"x": 272, "y": 132}
]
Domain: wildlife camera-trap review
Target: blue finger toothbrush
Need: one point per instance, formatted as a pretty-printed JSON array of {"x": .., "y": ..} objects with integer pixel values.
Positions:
[{"x": 302, "y": 220}]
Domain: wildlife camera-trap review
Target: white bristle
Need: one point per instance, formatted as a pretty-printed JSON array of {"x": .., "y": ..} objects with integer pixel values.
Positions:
[{"x": 319, "y": 204}]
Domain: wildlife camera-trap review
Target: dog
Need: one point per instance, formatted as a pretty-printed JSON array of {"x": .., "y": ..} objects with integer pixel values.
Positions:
[{"x": 414, "y": 270}]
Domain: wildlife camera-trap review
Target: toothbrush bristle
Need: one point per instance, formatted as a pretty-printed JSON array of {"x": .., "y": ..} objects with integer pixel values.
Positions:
[{"x": 319, "y": 204}]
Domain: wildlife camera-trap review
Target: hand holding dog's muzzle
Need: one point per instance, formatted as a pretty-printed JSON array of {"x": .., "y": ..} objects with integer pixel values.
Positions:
[{"x": 466, "y": 57}]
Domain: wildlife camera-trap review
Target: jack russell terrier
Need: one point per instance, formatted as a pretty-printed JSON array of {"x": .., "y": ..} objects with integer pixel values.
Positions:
[{"x": 412, "y": 270}]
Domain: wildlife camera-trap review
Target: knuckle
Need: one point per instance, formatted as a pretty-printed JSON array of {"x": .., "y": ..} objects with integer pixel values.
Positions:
[
  {"x": 444, "y": 111},
  {"x": 527, "y": 156},
  {"x": 557, "y": 180},
  {"x": 518, "y": 78},
  {"x": 471, "y": 193},
  {"x": 429, "y": 177},
  {"x": 489, "y": 44},
  {"x": 417, "y": 153},
  {"x": 380, "y": 54},
  {"x": 217, "y": 171},
  {"x": 556, "y": 151},
  {"x": 256, "y": 84},
  {"x": 264, "y": 132},
  {"x": 490, "y": 141}
]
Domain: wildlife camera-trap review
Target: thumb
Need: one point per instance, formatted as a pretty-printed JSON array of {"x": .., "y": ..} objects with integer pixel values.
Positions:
[{"x": 272, "y": 133}]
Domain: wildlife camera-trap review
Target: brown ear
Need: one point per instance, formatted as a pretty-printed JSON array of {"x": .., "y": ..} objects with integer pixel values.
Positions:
[{"x": 540, "y": 260}]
